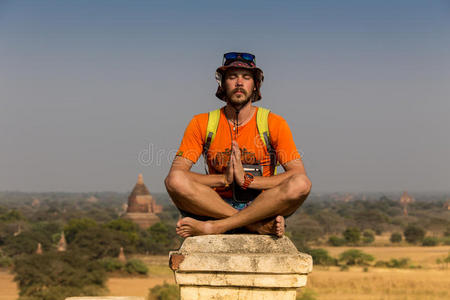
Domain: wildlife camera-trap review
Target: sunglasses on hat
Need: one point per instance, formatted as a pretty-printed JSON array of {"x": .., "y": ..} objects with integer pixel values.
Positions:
[{"x": 233, "y": 56}]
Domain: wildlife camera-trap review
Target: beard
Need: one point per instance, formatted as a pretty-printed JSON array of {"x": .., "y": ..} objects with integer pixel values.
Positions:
[{"x": 238, "y": 100}]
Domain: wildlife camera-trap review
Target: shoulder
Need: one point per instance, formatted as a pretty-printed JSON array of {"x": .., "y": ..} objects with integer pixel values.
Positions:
[
  {"x": 199, "y": 120},
  {"x": 276, "y": 122},
  {"x": 203, "y": 117},
  {"x": 277, "y": 125},
  {"x": 275, "y": 118}
]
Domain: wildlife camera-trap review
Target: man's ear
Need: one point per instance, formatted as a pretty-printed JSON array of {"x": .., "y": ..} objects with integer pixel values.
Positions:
[{"x": 219, "y": 79}]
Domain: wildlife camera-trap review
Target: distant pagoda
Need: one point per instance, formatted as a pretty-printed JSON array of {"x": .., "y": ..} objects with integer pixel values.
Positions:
[
  {"x": 121, "y": 256},
  {"x": 142, "y": 208},
  {"x": 447, "y": 204},
  {"x": 62, "y": 244},
  {"x": 39, "y": 249},
  {"x": 406, "y": 199}
]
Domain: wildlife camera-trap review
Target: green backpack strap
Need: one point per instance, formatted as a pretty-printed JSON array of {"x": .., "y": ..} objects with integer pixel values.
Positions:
[
  {"x": 211, "y": 129},
  {"x": 262, "y": 122}
]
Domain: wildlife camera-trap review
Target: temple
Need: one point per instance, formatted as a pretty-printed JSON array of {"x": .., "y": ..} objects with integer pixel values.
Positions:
[
  {"x": 62, "y": 244},
  {"x": 142, "y": 208},
  {"x": 406, "y": 199}
]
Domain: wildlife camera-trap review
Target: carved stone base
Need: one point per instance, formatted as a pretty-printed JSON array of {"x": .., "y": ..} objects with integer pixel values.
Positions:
[{"x": 241, "y": 266}]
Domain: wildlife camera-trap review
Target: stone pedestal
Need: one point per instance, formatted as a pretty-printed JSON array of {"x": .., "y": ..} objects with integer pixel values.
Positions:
[{"x": 240, "y": 266}]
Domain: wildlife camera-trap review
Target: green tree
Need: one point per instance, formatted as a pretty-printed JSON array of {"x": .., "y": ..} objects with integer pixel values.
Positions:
[
  {"x": 136, "y": 266},
  {"x": 371, "y": 219},
  {"x": 159, "y": 239},
  {"x": 5, "y": 261},
  {"x": 57, "y": 275},
  {"x": 76, "y": 226},
  {"x": 355, "y": 257},
  {"x": 12, "y": 215},
  {"x": 368, "y": 236},
  {"x": 123, "y": 225},
  {"x": 99, "y": 242},
  {"x": 352, "y": 235},
  {"x": 306, "y": 294},
  {"x": 414, "y": 234},
  {"x": 26, "y": 243},
  {"x": 396, "y": 237},
  {"x": 430, "y": 241},
  {"x": 111, "y": 264},
  {"x": 164, "y": 292},
  {"x": 309, "y": 229},
  {"x": 321, "y": 257},
  {"x": 47, "y": 227},
  {"x": 128, "y": 229},
  {"x": 403, "y": 262},
  {"x": 336, "y": 241}
]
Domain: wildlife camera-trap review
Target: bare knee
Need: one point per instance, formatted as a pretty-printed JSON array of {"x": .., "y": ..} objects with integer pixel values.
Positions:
[
  {"x": 177, "y": 183},
  {"x": 297, "y": 188}
]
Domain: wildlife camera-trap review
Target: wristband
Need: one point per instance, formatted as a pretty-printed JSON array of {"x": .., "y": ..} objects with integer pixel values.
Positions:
[{"x": 248, "y": 178}]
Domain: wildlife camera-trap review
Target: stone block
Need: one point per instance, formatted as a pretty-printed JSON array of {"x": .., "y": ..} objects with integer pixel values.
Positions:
[{"x": 244, "y": 266}]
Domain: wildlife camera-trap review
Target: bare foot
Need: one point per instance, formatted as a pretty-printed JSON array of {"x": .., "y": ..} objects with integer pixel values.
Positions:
[
  {"x": 274, "y": 226},
  {"x": 191, "y": 227}
]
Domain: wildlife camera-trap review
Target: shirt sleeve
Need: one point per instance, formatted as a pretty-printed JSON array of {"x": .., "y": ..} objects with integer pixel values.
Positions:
[
  {"x": 191, "y": 146},
  {"x": 282, "y": 139}
]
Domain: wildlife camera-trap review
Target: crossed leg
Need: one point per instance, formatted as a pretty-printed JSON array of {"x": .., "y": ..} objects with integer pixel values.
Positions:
[
  {"x": 201, "y": 200},
  {"x": 264, "y": 215}
]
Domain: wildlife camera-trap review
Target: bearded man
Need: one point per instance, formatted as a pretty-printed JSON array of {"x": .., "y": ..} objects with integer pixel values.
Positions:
[{"x": 242, "y": 145}]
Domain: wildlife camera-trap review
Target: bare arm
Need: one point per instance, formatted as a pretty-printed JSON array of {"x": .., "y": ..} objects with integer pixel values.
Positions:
[
  {"x": 292, "y": 167},
  {"x": 184, "y": 165},
  {"x": 260, "y": 182}
]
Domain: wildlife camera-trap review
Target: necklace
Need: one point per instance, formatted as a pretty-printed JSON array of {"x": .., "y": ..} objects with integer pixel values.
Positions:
[{"x": 236, "y": 124}]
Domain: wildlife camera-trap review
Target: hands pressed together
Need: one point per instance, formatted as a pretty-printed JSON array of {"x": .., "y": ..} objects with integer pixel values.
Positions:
[{"x": 235, "y": 170}]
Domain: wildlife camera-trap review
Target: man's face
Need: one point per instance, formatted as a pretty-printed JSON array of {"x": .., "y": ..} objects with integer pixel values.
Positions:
[{"x": 239, "y": 86}]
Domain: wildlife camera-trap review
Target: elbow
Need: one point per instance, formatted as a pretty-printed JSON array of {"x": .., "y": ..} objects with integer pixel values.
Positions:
[
  {"x": 308, "y": 185},
  {"x": 177, "y": 183},
  {"x": 298, "y": 188},
  {"x": 171, "y": 181},
  {"x": 304, "y": 186}
]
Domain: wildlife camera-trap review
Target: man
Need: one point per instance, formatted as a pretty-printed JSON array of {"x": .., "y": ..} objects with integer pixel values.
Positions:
[{"x": 210, "y": 203}]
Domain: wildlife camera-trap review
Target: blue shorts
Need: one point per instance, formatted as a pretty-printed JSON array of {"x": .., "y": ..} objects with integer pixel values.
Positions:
[
  {"x": 230, "y": 201},
  {"x": 236, "y": 205}
]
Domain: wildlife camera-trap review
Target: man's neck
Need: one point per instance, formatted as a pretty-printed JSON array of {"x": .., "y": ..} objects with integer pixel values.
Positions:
[{"x": 245, "y": 112}]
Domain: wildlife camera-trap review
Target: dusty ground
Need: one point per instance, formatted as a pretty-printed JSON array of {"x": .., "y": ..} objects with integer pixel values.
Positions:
[{"x": 8, "y": 290}]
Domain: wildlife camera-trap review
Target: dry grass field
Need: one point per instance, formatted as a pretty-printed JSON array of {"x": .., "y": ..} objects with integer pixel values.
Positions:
[
  {"x": 429, "y": 282},
  {"x": 423, "y": 256},
  {"x": 380, "y": 284}
]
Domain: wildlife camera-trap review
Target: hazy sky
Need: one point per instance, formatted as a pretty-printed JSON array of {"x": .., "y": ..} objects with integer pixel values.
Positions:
[{"x": 86, "y": 86}]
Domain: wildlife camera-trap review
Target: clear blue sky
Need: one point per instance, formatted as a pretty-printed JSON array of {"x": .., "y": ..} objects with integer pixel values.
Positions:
[{"x": 85, "y": 86}]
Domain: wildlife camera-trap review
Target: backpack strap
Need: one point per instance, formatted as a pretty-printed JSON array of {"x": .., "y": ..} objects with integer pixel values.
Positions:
[
  {"x": 211, "y": 129},
  {"x": 262, "y": 122}
]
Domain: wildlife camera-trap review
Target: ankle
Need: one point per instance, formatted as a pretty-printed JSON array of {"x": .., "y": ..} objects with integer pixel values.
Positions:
[{"x": 215, "y": 227}]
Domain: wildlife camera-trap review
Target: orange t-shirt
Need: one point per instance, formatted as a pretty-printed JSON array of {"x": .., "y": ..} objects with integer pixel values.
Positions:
[{"x": 253, "y": 150}]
